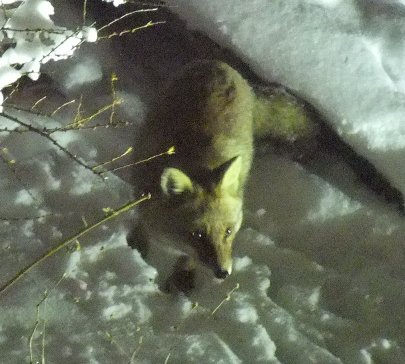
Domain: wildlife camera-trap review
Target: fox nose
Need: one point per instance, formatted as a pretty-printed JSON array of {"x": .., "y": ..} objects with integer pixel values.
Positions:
[{"x": 221, "y": 273}]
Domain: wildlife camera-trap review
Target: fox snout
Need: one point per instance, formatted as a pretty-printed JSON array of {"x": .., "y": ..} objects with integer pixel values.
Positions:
[
  {"x": 221, "y": 271},
  {"x": 223, "y": 266},
  {"x": 221, "y": 274},
  {"x": 217, "y": 256}
]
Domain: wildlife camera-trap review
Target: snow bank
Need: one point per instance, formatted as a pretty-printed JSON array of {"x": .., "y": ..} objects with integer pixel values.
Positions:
[{"x": 346, "y": 57}]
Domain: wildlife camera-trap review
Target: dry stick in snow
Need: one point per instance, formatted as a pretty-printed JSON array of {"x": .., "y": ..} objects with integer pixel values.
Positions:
[
  {"x": 37, "y": 322},
  {"x": 227, "y": 298},
  {"x": 213, "y": 312},
  {"x": 10, "y": 164},
  {"x": 70, "y": 240}
]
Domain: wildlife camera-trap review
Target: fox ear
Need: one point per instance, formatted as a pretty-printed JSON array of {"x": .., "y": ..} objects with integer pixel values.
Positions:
[
  {"x": 175, "y": 182},
  {"x": 230, "y": 178}
]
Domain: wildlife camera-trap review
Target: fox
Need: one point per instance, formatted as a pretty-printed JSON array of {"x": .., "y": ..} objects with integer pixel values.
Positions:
[
  {"x": 212, "y": 116},
  {"x": 206, "y": 113}
]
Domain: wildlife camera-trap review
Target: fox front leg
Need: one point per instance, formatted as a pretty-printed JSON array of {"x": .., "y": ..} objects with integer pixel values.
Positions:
[
  {"x": 177, "y": 275},
  {"x": 183, "y": 277},
  {"x": 138, "y": 239}
]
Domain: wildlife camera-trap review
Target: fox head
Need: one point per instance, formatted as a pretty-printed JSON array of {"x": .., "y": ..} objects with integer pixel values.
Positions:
[{"x": 210, "y": 210}]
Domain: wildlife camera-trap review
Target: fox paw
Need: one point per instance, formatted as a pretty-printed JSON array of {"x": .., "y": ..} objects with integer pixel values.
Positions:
[{"x": 183, "y": 277}]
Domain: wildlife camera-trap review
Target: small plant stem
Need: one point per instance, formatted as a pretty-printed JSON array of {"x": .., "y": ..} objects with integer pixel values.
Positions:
[{"x": 60, "y": 246}]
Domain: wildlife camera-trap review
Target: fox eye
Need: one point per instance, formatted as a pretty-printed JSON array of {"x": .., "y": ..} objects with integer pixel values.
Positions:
[
  {"x": 228, "y": 232},
  {"x": 198, "y": 234}
]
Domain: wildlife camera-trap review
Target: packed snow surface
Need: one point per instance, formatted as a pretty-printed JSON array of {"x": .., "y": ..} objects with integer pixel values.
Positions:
[{"x": 318, "y": 275}]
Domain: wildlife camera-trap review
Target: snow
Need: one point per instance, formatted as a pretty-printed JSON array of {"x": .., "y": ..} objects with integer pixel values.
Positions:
[
  {"x": 318, "y": 273},
  {"x": 330, "y": 55},
  {"x": 33, "y": 39}
]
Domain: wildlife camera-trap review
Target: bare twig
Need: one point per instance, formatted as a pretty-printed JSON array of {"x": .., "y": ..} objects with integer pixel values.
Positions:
[
  {"x": 78, "y": 114},
  {"x": 31, "y": 338},
  {"x": 11, "y": 166},
  {"x": 37, "y": 321},
  {"x": 62, "y": 129},
  {"x": 114, "y": 78},
  {"x": 61, "y": 106},
  {"x": 69, "y": 127},
  {"x": 120, "y": 348},
  {"x": 77, "y": 124},
  {"x": 227, "y": 298},
  {"x": 38, "y": 102},
  {"x": 35, "y": 30},
  {"x": 129, "y": 31},
  {"x": 14, "y": 89},
  {"x": 213, "y": 312},
  {"x": 125, "y": 16},
  {"x": 84, "y": 12},
  {"x": 170, "y": 151},
  {"x": 43, "y": 338},
  {"x": 136, "y": 351},
  {"x": 74, "y": 34},
  {"x": 128, "y": 151},
  {"x": 52, "y": 140},
  {"x": 167, "y": 358},
  {"x": 24, "y": 218},
  {"x": 70, "y": 240}
]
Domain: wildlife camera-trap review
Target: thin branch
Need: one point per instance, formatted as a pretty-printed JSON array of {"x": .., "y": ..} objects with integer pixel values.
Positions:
[
  {"x": 69, "y": 127},
  {"x": 62, "y": 129},
  {"x": 61, "y": 106},
  {"x": 227, "y": 298},
  {"x": 84, "y": 12},
  {"x": 213, "y": 312},
  {"x": 136, "y": 351},
  {"x": 23, "y": 109},
  {"x": 38, "y": 102},
  {"x": 70, "y": 240},
  {"x": 170, "y": 151},
  {"x": 43, "y": 338},
  {"x": 128, "y": 151},
  {"x": 78, "y": 114},
  {"x": 125, "y": 16},
  {"x": 114, "y": 79},
  {"x": 14, "y": 89},
  {"x": 10, "y": 164},
  {"x": 74, "y": 34},
  {"x": 52, "y": 140},
  {"x": 35, "y": 30},
  {"x": 129, "y": 31},
  {"x": 31, "y": 338},
  {"x": 82, "y": 121},
  {"x": 120, "y": 348},
  {"x": 25, "y": 218}
]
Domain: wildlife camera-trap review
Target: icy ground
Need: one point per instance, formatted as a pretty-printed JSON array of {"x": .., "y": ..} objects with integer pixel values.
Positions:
[{"x": 319, "y": 276}]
